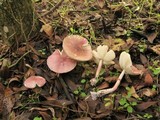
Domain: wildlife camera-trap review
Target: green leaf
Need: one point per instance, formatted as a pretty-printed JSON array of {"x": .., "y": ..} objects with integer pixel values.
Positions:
[
  {"x": 126, "y": 105},
  {"x": 156, "y": 71},
  {"x": 122, "y": 101},
  {"x": 37, "y": 118},
  {"x": 108, "y": 104},
  {"x": 129, "y": 109},
  {"x": 83, "y": 94},
  {"x": 83, "y": 81},
  {"x": 76, "y": 92},
  {"x": 133, "y": 103}
]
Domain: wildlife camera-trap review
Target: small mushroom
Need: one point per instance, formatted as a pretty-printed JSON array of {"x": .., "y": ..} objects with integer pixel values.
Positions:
[
  {"x": 127, "y": 68},
  {"x": 59, "y": 62},
  {"x": 102, "y": 56},
  {"x": 34, "y": 81},
  {"x": 77, "y": 48}
]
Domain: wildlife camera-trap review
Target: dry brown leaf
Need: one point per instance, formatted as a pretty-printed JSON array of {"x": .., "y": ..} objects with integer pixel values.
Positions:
[
  {"x": 101, "y": 3},
  {"x": 83, "y": 118},
  {"x": 148, "y": 92},
  {"x": 156, "y": 49},
  {"x": 143, "y": 59},
  {"x": 47, "y": 28},
  {"x": 132, "y": 91},
  {"x": 1, "y": 97},
  {"x": 145, "y": 105},
  {"x": 148, "y": 79},
  {"x": 103, "y": 85},
  {"x": 111, "y": 79},
  {"x": 45, "y": 115},
  {"x": 8, "y": 102},
  {"x": 151, "y": 36}
]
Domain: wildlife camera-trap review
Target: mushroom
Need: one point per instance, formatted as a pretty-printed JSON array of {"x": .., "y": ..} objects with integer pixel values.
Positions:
[
  {"x": 77, "y": 48},
  {"x": 34, "y": 81},
  {"x": 59, "y": 62},
  {"x": 102, "y": 56},
  {"x": 127, "y": 68}
]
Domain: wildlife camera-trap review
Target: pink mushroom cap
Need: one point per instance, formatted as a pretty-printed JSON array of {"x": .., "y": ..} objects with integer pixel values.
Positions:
[
  {"x": 59, "y": 62},
  {"x": 34, "y": 81},
  {"x": 77, "y": 48}
]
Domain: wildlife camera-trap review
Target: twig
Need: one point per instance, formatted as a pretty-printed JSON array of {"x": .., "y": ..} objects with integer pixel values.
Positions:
[
  {"x": 19, "y": 59},
  {"x": 53, "y": 8},
  {"x": 65, "y": 88}
]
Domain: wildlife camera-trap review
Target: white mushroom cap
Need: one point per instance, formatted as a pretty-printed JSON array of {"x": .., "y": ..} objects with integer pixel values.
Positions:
[
  {"x": 77, "y": 48},
  {"x": 34, "y": 81},
  {"x": 102, "y": 53},
  {"x": 126, "y": 64},
  {"x": 59, "y": 62}
]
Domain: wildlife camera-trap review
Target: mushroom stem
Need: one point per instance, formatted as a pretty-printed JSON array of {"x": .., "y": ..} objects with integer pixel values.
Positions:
[
  {"x": 94, "y": 80},
  {"x": 99, "y": 68},
  {"x": 101, "y": 93}
]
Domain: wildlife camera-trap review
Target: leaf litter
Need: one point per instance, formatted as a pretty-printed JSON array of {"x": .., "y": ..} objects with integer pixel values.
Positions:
[{"x": 123, "y": 26}]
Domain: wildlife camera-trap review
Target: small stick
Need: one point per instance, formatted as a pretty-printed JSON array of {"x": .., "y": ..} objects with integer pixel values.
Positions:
[
  {"x": 101, "y": 93},
  {"x": 53, "y": 8}
]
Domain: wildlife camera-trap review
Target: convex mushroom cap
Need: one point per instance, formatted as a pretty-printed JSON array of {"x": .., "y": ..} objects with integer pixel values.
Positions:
[
  {"x": 59, "y": 62},
  {"x": 34, "y": 81},
  {"x": 102, "y": 53},
  {"x": 77, "y": 48},
  {"x": 125, "y": 63}
]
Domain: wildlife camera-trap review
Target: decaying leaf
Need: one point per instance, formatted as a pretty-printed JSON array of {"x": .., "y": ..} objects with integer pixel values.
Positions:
[
  {"x": 148, "y": 79},
  {"x": 150, "y": 32},
  {"x": 145, "y": 105},
  {"x": 101, "y": 3},
  {"x": 8, "y": 103},
  {"x": 133, "y": 93},
  {"x": 47, "y": 28},
  {"x": 103, "y": 85},
  {"x": 1, "y": 97},
  {"x": 148, "y": 92},
  {"x": 156, "y": 49}
]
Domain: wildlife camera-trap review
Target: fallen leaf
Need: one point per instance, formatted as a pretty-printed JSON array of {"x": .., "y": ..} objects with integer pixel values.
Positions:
[
  {"x": 151, "y": 36},
  {"x": 83, "y": 118},
  {"x": 143, "y": 59},
  {"x": 103, "y": 85},
  {"x": 101, "y": 3},
  {"x": 45, "y": 115},
  {"x": 148, "y": 79},
  {"x": 156, "y": 49},
  {"x": 150, "y": 31},
  {"x": 8, "y": 103},
  {"x": 47, "y": 28},
  {"x": 145, "y": 105},
  {"x": 1, "y": 97},
  {"x": 148, "y": 92},
  {"x": 133, "y": 93}
]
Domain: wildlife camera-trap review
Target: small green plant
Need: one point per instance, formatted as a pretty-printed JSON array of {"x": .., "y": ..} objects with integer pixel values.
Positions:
[
  {"x": 155, "y": 67},
  {"x": 37, "y": 118},
  {"x": 125, "y": 104},
  {"x": 142, "y": 47},
  {"x": 154, "y": 87},
  {"x": 109, "y": 101},
  {"x": 79, "y": 91},
  {"x": 148, "y": 116},
  {"x": 83, "y": 81}
]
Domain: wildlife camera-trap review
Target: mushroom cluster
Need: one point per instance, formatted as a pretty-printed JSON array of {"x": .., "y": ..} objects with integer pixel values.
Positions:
[
  {"x": 75, "y": 48},
  {"x": 127, "y": 68}
]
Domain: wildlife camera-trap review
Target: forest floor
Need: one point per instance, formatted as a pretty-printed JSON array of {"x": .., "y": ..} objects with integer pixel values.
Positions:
[{"x": 132, "y": 26}]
